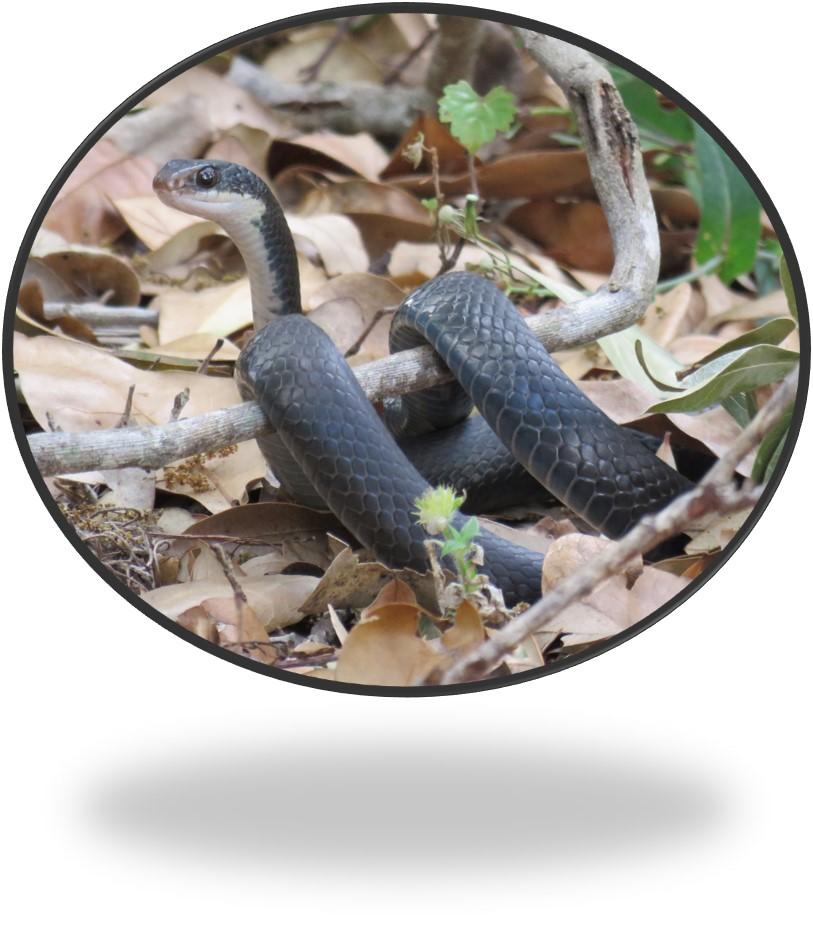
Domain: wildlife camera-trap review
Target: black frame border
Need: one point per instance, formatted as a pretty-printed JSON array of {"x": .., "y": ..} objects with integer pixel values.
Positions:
[{"x": 304, "y": 19}]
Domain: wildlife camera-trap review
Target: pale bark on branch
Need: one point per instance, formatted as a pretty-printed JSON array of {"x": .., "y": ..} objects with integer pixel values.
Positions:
[
  {"x": 611, "y": 143},
  {"x": 372, "y": 107},
  {"x": 716, "y": 493},
  {"x": 614, "y": 157}
]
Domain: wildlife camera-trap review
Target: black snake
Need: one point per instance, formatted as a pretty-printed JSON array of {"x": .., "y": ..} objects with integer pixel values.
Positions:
[{"x": 331, "y": 447}]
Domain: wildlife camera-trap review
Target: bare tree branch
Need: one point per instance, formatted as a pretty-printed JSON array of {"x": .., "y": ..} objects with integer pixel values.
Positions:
[
  {"x": 612, "y": 149},
  {"x": 96, "y": 314},
  {"x": 716, "y": 493},
  {"x": 352, "y": 107},
  {"x": 613, "y": 153},
  {"x": 357, "y": 106}
]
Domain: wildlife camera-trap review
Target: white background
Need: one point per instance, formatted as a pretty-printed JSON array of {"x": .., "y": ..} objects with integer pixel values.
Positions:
[{"x": 148, "y": 786}]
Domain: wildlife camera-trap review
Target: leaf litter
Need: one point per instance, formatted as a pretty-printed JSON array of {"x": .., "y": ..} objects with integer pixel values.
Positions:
[{"x": 206, "y": 541}]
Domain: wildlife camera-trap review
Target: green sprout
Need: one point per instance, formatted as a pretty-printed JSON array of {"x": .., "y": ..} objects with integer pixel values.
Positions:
[
  {"x": 474, "y": 119},
  {"x": 436, "y": 510}
]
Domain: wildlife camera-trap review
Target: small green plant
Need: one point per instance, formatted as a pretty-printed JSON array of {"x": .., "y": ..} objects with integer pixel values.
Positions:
[
  {"x": 474, "y": 119},
  {"x": 436, "y": 509}
]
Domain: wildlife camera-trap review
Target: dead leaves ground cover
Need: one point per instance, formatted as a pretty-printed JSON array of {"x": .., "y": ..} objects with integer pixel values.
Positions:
[{"x": 276, "y": 582}]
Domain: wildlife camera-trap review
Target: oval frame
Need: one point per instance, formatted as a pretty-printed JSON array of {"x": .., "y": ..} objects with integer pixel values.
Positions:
[{"x": 304, "y": 19}]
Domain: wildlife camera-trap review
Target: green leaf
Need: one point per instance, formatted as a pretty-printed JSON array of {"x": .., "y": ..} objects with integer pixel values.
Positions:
[
  {"x": 745, "y": 225},
  {"x": 770, "y": 448},
  {"x": 787, "y": 285},
  {"x": 714, "y": 198},
  {"x": 664, "y": 125},
  {"x": 753, "y": 367},
  {"x": 476, "y": 120},
  {"x": 772, "y": 332},
  {"x": 740, "y": 407},
  {"x": 450, "y": 546},
  {"x": 625, "y": 351},
  {"x": 430, "y": 204},
  {"x": 470, "y": 529},
  {"x": 730, "y": 219}
]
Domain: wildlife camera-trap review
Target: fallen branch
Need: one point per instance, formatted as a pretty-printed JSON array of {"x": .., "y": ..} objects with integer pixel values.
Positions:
[
  {"x": 615, "y": 163},
  {"x": 365, "y": 106},
  {"x": 611, "y": 143},
  {"x": 353, "y": 107},
  {"x": 96, "y": 314},
  {"x": 715, "y": 494}
]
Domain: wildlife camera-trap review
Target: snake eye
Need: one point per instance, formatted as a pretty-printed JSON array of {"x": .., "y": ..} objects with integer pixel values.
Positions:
[{"x": 206, "y": 177}]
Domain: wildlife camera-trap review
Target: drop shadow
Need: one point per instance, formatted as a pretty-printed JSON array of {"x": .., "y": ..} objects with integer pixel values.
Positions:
[{"x": 396, "y": 801}]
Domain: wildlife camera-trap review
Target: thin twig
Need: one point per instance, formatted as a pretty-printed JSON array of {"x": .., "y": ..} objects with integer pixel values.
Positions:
[
  {"x": 408, "y": 59},
  {"x": 228, "y": 570},
  {"x": 204, "y": 364},
  {"x": 178, "y": 404},
  {"x": 716, "y": 493},
  {"x": 128, "y": 407},
  {"x": 311, "y": 72},
  {"x": 356, "y": 345}
]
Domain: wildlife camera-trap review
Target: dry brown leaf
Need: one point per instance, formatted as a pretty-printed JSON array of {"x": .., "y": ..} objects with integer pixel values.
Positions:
[
  {"x": 622, "y": 400},
  {"x": 387, "y": 650},
  {"x": 130, "y": 488},
  {"x": 247, "y": 146},
  {"x": 270, "y": 521},
  {"x": 581, "y": 624},
  {"x": 521, "y": 175},
  {"x": 466, "y": 632},
  {"x": 155, "y": 223},
  {"x": 199, "y": 622},
  {"x": 218, "y": 311},
  {"x": 668, "y": 316},
  {"x": 346, "y": 63},
  {"x": 239, "y": 629},
  {"x": 369, "y": 296},
  {"x": 716, "y": 429},
  {"x": 536, "y": 539},
  {"x": 729, "y": 306},
  {"x": 177, "y": 129},
  {"x": 226, "y": 104},
  {"x": 83, "y": 389},
  {"x": 573, "y": 233},
  {"x": 383, "y": 213},
  {"x": 652, "y": 590},
  {"x": 718, "y": 534},
  {"x": 451, "y": 155},
  {"x": 692, "y": 347},
  {"x": 359, "y": 152},
  {"x": 84, "y": 273},
  {"x": 411, "y": 264},
  {"x": 607, "y": 609},
  {"x": 335, "y": 239},
  {"x": 174, "y": 520},
  {"x": 275, "y": 599},
  {"x": 83, "y": 210},
  {"x": 198, "y": 347},
  {"x": 341, "y": 319},
  {"x": 351, "y": 583}
]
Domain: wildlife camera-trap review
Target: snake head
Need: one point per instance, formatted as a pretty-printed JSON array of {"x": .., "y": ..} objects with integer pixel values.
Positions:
[{"x": 212, "y": 189}]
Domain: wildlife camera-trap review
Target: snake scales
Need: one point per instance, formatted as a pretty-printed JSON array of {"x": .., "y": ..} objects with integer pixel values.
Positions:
[{"x": 330, "y": 446}]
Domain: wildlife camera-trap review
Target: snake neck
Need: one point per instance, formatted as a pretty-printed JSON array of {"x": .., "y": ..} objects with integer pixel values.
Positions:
[{"x": 261, "y": 234}]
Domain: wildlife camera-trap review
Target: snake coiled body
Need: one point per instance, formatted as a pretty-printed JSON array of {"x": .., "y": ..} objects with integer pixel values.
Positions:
[{"x": 330, "y": 446}]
